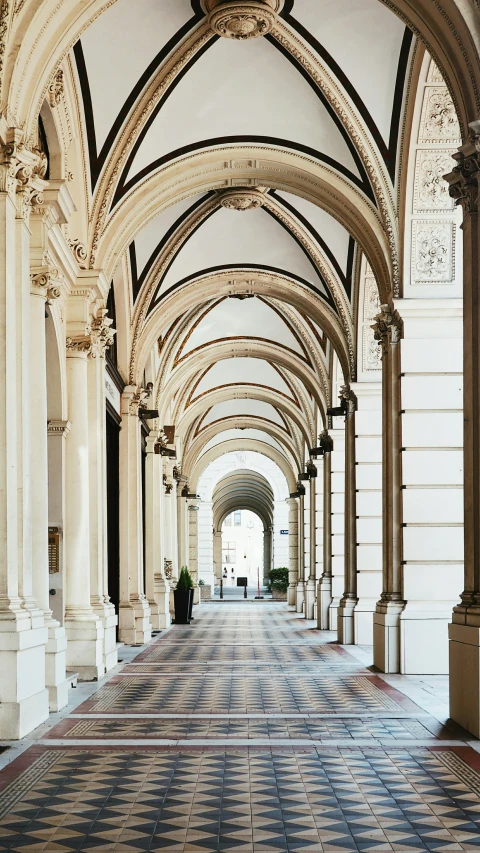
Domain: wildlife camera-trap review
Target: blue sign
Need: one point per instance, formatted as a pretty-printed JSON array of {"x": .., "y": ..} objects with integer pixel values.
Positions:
[{"x": 284, "y": 532}]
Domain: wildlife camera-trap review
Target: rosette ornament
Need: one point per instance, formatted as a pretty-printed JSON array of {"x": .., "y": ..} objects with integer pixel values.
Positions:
[
  {"x": 241, "y": 19},
  {"x": 242, "y": 199}
]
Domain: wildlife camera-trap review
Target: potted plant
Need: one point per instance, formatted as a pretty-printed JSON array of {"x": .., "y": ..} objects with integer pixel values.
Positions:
[
  {"x": 205, "y": 590},
  {"x": 191, "y": 586},
  {"x": 279, "y": 583},
  {"x": 183, "y": 598}
]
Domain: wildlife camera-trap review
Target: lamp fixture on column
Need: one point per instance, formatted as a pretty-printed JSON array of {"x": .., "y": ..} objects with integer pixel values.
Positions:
[
  {"x": 338, "y": 411},
  {"x": 148, "y": 414}
]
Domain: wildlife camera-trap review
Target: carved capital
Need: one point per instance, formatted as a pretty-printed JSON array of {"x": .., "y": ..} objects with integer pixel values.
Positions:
[
  {"x": 350, "y": 398},
  {"x": 168, "y": 488},
  {"x": 46, "y": 282},
  {"x": 326, "y": 441},
  {"x": 22, "y": 171},
  {"x": 241, "y": 19},
  {"x": 78, "y": 344},
  {"x": 388, "y": 327},
  {"x": 101, "y": 334},
  {"x": 463, "y": 180},
  {"x": 137, "y": 400}
]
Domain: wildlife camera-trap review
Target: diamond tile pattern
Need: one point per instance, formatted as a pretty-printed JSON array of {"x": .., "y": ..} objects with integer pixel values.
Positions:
[{"x": 257, "y": 660}]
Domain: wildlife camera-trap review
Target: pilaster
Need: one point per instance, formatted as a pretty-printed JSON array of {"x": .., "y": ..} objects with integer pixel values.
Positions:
[
  {"x": 23, "y": 636},
  {"x": 157, "y": 587},
  {"x": 311, "y": 582},
  {"x": 300, "y": 588},
  {"x": 324, "y": 591},
  {"x": 293, "y": 549},
  {"x": 134, "y": 610},
  {"x": 193, "y": 509},
  {"x": 464, "y": 631},
  {"x": 337, "y": 523},
  {"x": 349, "y": 600},
  {"x": 388, "y": 329}
]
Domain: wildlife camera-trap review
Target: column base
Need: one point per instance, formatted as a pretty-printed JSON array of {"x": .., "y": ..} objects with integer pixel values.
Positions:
[
  {"x": 465, "y": 676},
  {"x": 109, "y": 619},
  {"x": 332, "y": 614},
  {"x": 292, "y": 595},
  {"x": 310, "y": 596},
  {"x": 345, "y": 621},
  {"x": 386, "y": 636},
  {"x": 134, "y": 622},
  {"x": 424, "y": 647},
  {"x": 324, "y": 600},
  {"x": 85, "y": 646},
  {"x": 56, "y": 680},
  {"x": 160, "y": 606},
  {"x": 363, "y": 621},
  {"x": 23, "y": 695},
  {"x": 300, "y": 596}
]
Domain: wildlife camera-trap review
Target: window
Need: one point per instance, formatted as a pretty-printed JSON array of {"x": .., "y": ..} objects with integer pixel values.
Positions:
[
  {"x": 229, "y": 552},
  {"x": 228, "y": 521},
  {"x": 237, "y": 518}
]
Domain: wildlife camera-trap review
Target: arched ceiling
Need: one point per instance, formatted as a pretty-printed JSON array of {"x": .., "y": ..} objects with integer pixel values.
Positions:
[{"x": 233, "y": 188}]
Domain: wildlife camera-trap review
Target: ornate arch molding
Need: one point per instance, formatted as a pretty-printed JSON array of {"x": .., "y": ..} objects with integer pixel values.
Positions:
[
  {"x": 221, "y": 167},
  {"x": 213, "y": 353},
  {"x": 293, "y": 454},
  {"x": 198, "y": 410},
  {"x": 234, "y": 282},
  {"x": 253, "y": 446},
  {"x": 30, "y": 62}
]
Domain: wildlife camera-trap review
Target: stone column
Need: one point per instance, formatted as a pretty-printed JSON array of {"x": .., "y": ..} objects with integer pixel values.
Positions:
[
  {"x": 300, "y": 590},
  {"x": 157, "y": 587},
  {"x": 337, "y": 523},
  {"x": 349, "y": 599},
  {"x": 182, "y": 526},
  {"x": 324, "y": 594},
  {"x": 368, "y": 453},
  {"x": 465, "y": 628},
  {"x": 293, "y": 550},
  {"x": 193, "y": 509},
  {"x": 23, "y": 696},
  {"x": 102, "y": 337},
  {"x": 134, "y": 612},
  {"x": 311, "y": 583},
  {"x": 43, "y": 285},
  {"x": 386, "y": 622},
  {"x": 85, "y": 632},
  {"x": 217, "y": 555}
]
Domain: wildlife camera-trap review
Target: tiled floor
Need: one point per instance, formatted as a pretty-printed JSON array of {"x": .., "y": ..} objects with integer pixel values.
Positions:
[{"x": 249, "y": 732}]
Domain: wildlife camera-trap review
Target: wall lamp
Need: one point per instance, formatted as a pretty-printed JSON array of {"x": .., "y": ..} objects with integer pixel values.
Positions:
[
  {"x": 338, "y": 411},
  {"x": 148, "y": 414}
]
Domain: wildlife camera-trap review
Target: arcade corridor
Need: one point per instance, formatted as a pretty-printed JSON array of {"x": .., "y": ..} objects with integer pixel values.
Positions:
[{"x": 247, "y": 731}]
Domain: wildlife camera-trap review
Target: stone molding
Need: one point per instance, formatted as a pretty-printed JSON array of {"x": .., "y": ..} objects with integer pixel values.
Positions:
[
  {"x": 58, "y": 428},
  {"x": 241, "y": 19}
]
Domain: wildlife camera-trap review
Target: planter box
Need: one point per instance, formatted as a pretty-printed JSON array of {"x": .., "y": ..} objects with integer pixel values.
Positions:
[
  {"x": 278, "y": 596},
  {"x": 205, "y": 592}
]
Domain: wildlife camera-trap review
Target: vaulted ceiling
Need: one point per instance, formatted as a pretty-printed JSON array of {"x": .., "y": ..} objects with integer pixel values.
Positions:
[{"x": 240, "y": 287}]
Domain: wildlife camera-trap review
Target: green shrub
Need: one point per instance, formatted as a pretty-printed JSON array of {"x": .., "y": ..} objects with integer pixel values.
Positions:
[
  {"x": 201, "y": 583},
  {"x": 278, "y": 579},
  {"x": 184, "y": 582}
]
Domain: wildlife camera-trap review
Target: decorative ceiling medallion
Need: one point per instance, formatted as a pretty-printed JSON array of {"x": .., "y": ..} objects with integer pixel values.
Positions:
[
  {"x": 242, "y": 199},
  {"x": 241, "y": 19}
]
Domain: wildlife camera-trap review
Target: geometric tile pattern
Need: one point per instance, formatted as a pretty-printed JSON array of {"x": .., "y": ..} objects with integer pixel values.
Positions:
[
  {"x": 270, "y": 727},
  {"x": 320, "y": 802},
  {"x": 243, "y": 695}
]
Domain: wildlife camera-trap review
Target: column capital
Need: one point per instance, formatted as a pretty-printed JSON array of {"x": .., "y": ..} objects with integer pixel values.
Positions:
[
  {"x": 388, "y": 327},
  {"x": 326, "y": 441},
  {"x": 350, "y": 398},
  {"x": 101, "y": 335},
  {"x": 46, "y": 283},
  {"x": 133, "y": 398},
  {"x": 22, "y": 172},
  {"x": 463, "y": 180}
]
